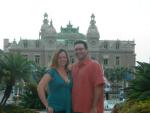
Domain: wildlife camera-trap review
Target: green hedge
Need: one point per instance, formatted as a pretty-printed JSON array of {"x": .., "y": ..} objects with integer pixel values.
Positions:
[{"x": 16, "y": 109}]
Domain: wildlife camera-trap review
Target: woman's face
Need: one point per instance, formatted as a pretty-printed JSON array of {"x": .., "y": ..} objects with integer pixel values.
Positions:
[{"x": 62, "y": 59}]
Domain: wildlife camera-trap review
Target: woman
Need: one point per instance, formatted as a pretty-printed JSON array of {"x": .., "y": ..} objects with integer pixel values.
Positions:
[{"x": 59, "y": 85}]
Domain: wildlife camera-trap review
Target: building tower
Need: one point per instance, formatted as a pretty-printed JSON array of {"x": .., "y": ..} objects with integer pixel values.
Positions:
[
  {"x": 93, "y": 34},
  {"x": 48, "y": 33}
]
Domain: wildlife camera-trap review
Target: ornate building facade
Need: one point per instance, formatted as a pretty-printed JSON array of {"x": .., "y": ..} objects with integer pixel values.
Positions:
[{"x": 110, "y": 53}]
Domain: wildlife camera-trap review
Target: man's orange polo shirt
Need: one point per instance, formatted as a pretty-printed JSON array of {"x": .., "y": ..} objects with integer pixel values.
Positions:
[{"x": 86, "y": 76}]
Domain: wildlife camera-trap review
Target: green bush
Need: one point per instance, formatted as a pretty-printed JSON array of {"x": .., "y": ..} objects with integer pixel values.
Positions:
[
  {"x": 30, "y": 98},
  {"x": 141, "y": 107},
  {"x": 139, "y": 88},
  {"x": 133, "y": 107},
  {"x": 15, "y": 109}
]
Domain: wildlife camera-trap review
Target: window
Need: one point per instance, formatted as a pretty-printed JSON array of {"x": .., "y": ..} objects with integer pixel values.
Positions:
[
  {"x": 66, "y": 42},
  {"x": 69, "y": 42},
  {"x": 93, "y": 57},
  {"x": 25, "y": 43},
  {"x": 37, "y": 59},
  {"x": 105, "y": 45},
  {"x": 105, "y": 61},
  {"x": 37, "y": 44},
  {"x": 49, "y": 58},
  {"x": 72, "y": 59},
  {"x": 117, "y": 60},
  {"x": 117, "y": 45}
]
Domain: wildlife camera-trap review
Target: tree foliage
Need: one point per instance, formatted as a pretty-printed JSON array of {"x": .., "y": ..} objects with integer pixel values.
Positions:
[
  {"x": 116, "y": 74},
  {"x": 13, "y": 67},
  {"x": 139, "y": 88}
]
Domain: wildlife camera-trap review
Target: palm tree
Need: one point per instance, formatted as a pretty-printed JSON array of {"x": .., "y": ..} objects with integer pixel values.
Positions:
[
  {"x": 115, "y": 74},
  {"x": 1, "y": 53},
  {"x": 139, "y": 88},
  {"x": 14, "y": 67},
  {"x": 109, "y": 73}
]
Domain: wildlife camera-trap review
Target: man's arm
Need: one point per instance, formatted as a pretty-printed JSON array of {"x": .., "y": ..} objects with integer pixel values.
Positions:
[
  {"x": 98, "y": 77},
  {"x": 98, "y": 92}
]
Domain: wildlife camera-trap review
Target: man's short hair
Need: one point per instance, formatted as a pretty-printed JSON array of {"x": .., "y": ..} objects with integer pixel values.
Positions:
[{"x": 81, "y": 42}]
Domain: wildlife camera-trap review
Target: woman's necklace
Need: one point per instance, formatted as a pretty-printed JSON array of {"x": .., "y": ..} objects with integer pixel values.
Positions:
[{"x": 63, "y": 75}]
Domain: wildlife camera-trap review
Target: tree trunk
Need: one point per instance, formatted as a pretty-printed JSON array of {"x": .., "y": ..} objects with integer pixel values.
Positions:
[{"x": 6, "y": 94}]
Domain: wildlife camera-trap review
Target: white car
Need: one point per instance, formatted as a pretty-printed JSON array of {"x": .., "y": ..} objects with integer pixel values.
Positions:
[{"x": 109, "y": 104}]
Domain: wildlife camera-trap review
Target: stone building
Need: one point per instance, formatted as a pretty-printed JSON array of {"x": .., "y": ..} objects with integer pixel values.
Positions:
[{"x": 110, "y": 53}]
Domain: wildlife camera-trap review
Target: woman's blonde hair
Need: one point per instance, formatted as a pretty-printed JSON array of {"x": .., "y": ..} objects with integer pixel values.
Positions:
[{"x": 54, "y": 63}]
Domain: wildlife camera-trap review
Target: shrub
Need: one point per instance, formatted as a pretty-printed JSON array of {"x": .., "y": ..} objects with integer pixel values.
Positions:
[
  {"x": 139, "y": 88},
  {"x": 132, "y": 107},
  {"x": 15, "y": 109},
  {"x": 30, "y": 98}
]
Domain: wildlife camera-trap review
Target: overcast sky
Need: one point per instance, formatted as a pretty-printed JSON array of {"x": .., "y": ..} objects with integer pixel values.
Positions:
[{"x": 115, "y": 19}]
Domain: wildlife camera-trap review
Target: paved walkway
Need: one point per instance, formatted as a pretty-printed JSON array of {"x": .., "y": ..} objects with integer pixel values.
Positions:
[
  {"x": 104, "y": 112},
  {"x": 107, "y": 112}
]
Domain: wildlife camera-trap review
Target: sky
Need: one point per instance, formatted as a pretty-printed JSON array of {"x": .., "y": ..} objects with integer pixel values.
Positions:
[{"x": 115, "y": 19}]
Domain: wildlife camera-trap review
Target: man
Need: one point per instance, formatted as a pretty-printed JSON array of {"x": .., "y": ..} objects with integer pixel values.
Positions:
[{"x": 88, "y": 82}]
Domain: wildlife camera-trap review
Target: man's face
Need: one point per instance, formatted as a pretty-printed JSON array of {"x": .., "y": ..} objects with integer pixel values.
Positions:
[{"x": 80, "y": 51}]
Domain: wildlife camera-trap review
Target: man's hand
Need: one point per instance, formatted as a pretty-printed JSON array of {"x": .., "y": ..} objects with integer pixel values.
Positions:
[{"x": 93, "y": 110}]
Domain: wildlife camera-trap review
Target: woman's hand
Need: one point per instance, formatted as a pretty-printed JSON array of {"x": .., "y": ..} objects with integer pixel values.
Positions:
[
  {"x": 50, "y": 110},
  {"x": 69, "y": 67}
]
